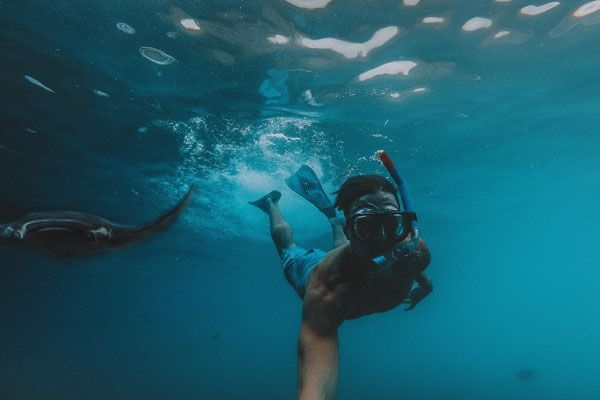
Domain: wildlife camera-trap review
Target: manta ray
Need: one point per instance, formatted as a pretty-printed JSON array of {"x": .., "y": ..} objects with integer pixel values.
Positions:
[{"x": 70, "y": 234}]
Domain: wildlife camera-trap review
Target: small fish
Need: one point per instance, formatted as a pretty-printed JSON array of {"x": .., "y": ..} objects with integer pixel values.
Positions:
[
  {"x": 9, "y": 150},
  {"x": 215, "y": 336},
  {"x": 101, "y": 93},
  {"x": 38, "y": 83},
  {"x": 526, "y": 374}
]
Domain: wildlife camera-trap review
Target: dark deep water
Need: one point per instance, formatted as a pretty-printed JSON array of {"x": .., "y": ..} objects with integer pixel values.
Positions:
[{"x": 496, "y": 134}]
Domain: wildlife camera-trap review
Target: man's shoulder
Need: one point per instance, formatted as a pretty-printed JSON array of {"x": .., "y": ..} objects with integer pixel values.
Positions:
[
  {"x": 328, "y": 278},
  {"x": 330, "y": 264},
  {"x": 337, "y": 255}
]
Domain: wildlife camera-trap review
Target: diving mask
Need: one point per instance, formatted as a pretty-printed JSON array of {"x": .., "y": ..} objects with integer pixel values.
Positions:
[{"x": 391, "y": 225}]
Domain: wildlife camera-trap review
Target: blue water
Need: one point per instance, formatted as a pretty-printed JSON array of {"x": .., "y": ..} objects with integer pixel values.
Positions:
[{"x": 498, "y": 140}]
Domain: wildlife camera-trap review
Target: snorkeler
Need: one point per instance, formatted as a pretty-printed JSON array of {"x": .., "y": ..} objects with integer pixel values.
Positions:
[{"x": 375, "y": 265}]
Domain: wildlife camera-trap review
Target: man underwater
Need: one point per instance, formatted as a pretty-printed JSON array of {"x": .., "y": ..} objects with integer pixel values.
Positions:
[{"x": 343, "y": 283}]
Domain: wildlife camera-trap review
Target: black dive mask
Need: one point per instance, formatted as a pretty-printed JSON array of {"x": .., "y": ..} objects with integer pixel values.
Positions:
[{"x": 391, "y": 225}]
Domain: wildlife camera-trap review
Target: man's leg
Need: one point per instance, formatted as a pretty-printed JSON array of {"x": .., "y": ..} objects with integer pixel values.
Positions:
[
  {"x": 339, "y": 238},
  {"x": 297, "y": 262},
  {"x": 281, "y": 231}
]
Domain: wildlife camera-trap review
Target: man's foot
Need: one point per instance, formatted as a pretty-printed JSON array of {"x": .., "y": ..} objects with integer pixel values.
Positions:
[{"x": 263, "y": 202}]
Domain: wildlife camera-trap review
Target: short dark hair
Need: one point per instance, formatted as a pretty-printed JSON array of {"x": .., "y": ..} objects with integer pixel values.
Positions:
[{"x": 358, "y": 186}]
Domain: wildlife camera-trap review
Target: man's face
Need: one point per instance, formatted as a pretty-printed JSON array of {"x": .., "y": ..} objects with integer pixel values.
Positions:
[{"x": 376, "y": 202}]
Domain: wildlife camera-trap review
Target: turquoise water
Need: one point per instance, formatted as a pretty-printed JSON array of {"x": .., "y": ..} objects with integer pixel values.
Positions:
[{"x": 496, "y": 134}]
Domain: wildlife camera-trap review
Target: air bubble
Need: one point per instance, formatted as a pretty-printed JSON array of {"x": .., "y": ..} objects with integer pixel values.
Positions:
[
  {"x": 157, "y": 56},
  {"x": 477, "y": 23},
  {"x": 126, "y": 28},
  {"x": 508, "y": 37},
  {"x": 586, "y": 14}
]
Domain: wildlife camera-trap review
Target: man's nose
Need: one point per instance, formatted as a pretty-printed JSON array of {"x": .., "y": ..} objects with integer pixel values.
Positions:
[
  {"x": 379, "y": 233},
  {"x": 380, "y": 237}
]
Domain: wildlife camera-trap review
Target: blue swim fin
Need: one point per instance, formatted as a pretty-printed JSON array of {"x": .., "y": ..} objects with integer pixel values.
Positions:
[{"x": 306, "y": 184}]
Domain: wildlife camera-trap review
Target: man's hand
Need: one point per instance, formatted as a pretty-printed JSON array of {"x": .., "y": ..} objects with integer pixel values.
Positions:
[
  {"x": 420, "y": 258},
  {"x": 411, "y": 303},
  {"x": 418, "y": 293}
]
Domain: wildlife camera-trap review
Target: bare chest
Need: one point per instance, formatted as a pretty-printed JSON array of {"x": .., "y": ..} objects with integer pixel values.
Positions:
[{"x": 373, "y": 293}]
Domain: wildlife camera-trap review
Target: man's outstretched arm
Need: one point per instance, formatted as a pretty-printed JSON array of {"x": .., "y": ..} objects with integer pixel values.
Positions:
[
  {"x": 318, "y": 352},
  {"x": 318, "y": 364}
]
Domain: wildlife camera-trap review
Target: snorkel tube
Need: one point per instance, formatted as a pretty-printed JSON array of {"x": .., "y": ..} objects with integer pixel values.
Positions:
[{"x": 405, "y": 247}]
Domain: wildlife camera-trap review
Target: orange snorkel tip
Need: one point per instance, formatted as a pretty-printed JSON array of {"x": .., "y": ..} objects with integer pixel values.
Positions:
[{"x": 386, "y": 160}]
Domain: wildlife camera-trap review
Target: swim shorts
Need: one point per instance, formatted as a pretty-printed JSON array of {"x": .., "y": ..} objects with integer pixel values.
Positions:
[{"x": 297, "y": 265}]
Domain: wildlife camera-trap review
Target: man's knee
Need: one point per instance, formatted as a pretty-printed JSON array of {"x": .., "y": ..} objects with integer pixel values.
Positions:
[
  {"x": 282, "y": 250},
  {"x": 282, "y": 237},
  {"x": 281, "y": 230}
]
